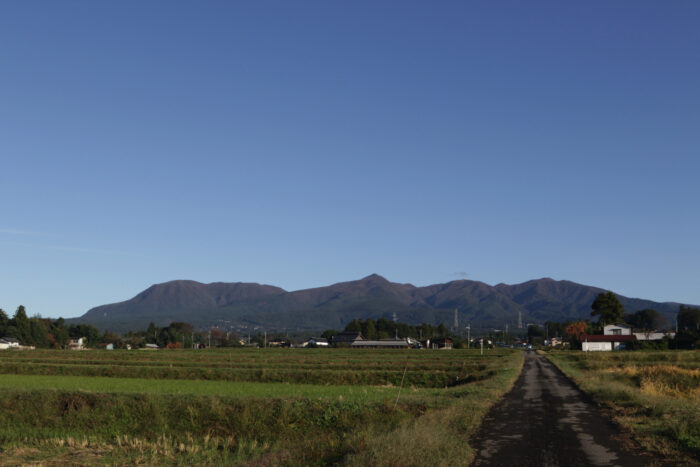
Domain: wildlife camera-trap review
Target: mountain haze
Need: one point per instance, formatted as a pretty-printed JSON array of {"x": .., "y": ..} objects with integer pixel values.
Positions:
[{"x": 250, "y": 305}]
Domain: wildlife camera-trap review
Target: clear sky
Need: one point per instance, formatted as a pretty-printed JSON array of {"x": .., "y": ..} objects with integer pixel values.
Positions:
[{"x": 309, "y": 142}]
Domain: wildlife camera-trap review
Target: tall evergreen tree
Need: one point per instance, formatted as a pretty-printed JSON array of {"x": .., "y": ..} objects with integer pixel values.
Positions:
[
  {"x": 21, "y": 323},
  {"x": 608, "y": 308},
  {"x": 4, "y": 322}
]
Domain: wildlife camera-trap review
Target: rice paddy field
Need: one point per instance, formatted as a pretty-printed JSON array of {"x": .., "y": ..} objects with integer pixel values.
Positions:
[
  {"x": 247, "y": 406},
  {"x": 653, "y": 394}
]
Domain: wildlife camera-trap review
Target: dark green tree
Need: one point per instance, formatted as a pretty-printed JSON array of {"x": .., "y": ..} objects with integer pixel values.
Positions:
[
  {"x": 38, "y": 334},
  {"x": 21, "y": 324},
  {"x": 534, "y": 333},
  {"x": 647, "y": 319},
  {"x": 688, "y": 322},
  {"x": 329, "y": 333},
  {"x": 369, "y": 330},
  {"x": 608, "y": 308},
  {"x": 688, "y": 319},
  {"x": 87, "y": 331},
  {"x": 354, "y": 326},
  {"x": 60, "y": 333},
  {"x": 151, "y": 333},
  {"x": 4, "y": 322}
]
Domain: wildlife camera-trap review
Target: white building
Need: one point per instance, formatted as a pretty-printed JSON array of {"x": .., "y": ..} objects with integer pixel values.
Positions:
[
  {"x": 654, "y": 335},
  {"x": 9, "y": 343},
  {"x": 76, "y": 343},
  {"x": 617, "y": 329},
  {"x": 316, "y": 342}
]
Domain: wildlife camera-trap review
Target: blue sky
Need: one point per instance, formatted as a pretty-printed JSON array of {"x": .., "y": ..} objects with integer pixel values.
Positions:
[{"x": 305, "y": 143}]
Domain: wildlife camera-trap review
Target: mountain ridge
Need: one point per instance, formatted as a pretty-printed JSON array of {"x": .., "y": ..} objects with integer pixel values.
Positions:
[{"x": 249, "y": 305}]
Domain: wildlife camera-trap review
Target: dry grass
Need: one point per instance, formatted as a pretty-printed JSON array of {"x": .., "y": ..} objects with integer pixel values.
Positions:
[{"x": 653, "y": 395}]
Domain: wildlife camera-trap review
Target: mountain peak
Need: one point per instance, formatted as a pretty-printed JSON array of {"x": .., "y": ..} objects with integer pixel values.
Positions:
[{"x": 374, "y": 277}]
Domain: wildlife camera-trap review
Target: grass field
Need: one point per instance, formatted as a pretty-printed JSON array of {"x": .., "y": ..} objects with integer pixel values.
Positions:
[
  {"x": 307, "y": 366},
  {"x": 247, "y": 406},
  {"x": 653, "y": 394}
]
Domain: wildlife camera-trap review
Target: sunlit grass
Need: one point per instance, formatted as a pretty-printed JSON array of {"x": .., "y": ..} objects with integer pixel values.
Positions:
[
  {"x": 200, "y": 418},
  {"x": 653, "y": 394}
]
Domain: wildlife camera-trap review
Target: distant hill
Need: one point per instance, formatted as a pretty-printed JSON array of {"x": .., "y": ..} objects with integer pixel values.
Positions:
[{"x": 240, "y": 306}]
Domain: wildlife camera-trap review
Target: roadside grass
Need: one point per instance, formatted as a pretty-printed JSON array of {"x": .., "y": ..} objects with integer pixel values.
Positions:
[
  {"x": 440, "y": 436},
  {"x": 89, "y": 420},
  {"x": 655, "y": 395}
]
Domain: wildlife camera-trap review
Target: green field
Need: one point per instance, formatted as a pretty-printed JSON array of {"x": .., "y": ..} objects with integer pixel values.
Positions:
[
  {"x": 247, "y": 406},
  {"x": 653, "y": 394}
]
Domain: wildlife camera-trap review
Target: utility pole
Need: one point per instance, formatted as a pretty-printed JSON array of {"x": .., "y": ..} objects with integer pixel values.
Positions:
[
  {"x": 265, "y": 341},
  {"x": 469, "y": 331},
  {"x": 210, "y": 338}
]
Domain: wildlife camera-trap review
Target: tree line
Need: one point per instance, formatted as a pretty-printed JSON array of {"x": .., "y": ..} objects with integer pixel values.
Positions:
[
  {"x": 608, "y": 308},
  {"x": 43, "y": 332},
  {"x": 49, "y": 333}
]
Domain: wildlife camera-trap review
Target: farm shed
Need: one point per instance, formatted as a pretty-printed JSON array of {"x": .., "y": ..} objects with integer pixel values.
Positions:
[{"x": 381, "y": 344}]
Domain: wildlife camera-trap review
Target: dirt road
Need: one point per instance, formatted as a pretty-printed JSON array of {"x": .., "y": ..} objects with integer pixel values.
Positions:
[{"x": 546, "y": 421}]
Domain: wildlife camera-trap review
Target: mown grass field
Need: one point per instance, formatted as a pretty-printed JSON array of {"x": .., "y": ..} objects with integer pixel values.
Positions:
[
  {"x": 247, "y": 406},
  {"x": 653, "y": 394}
]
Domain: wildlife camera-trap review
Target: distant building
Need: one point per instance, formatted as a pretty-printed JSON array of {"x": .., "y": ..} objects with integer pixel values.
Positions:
[
  {"x": 554, "y": 341},
  {"x": 617, "y": 329},
  {"x": 9, "y": 343},
  {"x": 606, "y": 343},
  {"x": 315, "y": 342},
  {"x": 381, "y": 344},
  {"x": 279, "y": 343},
  {"x": 151, "y": 347},
  {"x": 347, "y": 338},
  {"x": 76, "y": 343},
  {"x": 654, "y": 335}
]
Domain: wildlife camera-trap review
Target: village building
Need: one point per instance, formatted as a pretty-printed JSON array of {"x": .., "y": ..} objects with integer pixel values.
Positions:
[
  {"x": 315, "y": 342},
  {"x": 279, "y": 343},
  {"x": 653, "y": 335},
  {"x": 616, "y": 336},
  {"x": 606, "y": 343},
  {"x": 617, "y": 329},
  {"x": 346, "y": 338},
  {"x": 76, "y": 343},
  {"x": 381, "y": 344},
  {"x": 9, "y": 343}
]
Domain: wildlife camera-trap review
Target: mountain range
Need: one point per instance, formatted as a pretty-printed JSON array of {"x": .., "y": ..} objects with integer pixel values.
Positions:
[{"x": 239, "y": 306}]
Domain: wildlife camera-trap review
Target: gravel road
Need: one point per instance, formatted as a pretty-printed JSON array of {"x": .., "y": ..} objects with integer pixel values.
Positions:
[{"x": 546, "y": 421}]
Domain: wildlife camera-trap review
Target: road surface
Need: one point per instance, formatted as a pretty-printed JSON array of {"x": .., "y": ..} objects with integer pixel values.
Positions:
[{"x": 546, "y": 421}]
